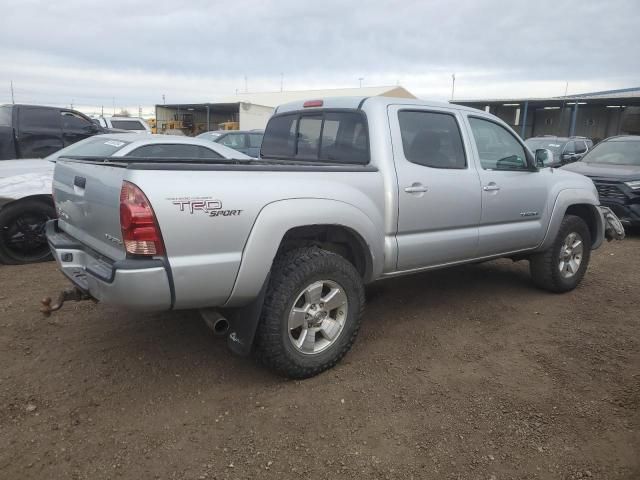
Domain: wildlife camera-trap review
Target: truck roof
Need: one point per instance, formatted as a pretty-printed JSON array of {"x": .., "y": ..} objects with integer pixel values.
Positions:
[{"x": 358, "y": 102}]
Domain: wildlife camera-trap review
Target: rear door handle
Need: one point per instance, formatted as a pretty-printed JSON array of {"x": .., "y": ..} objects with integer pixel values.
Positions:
[
  {"x": 492, "y": 187},
  {"x": 416, "y": 188}
]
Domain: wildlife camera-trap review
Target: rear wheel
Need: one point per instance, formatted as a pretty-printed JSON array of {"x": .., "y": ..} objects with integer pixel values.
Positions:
[
  {"x": 311, "y": 314},
  {"x": 22, "y": 235},
  {"x": 562, "y": 267}
]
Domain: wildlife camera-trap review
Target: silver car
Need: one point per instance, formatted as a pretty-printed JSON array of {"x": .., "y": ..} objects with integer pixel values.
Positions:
[{"x": 25, "y": 185}]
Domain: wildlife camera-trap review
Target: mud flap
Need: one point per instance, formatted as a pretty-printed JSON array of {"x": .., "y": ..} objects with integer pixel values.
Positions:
[{"x": 243, "y": 323}]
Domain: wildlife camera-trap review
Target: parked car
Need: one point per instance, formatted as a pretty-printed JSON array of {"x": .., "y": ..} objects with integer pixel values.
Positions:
[
  {"x": 565, "y": 149},
  {"x": 32, "y": 131},
  {"x": 276, "y": 252},
  {"x": 25, "y": 185},
  {"x": 132, "y": 124},
  {"x": 614, "y": 167},
  {"x": 245, "y": 141}
]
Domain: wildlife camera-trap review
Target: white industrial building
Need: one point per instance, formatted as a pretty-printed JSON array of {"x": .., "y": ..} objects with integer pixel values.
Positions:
[{"x": 249, "y": 111}]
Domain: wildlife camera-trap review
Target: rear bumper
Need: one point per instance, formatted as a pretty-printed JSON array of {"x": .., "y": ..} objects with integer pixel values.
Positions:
[{"x": 136, "y": 284}]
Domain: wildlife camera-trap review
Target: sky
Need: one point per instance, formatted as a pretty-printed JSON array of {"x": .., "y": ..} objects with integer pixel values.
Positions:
[{"x": 128, "y": 54}]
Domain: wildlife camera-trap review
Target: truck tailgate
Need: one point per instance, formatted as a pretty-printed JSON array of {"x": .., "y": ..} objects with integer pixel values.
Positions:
[{"x": 87, "y": 197}]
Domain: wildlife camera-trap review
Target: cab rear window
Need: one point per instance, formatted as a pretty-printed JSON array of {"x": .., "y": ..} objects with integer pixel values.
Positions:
[{"x": 327, "y": 136}]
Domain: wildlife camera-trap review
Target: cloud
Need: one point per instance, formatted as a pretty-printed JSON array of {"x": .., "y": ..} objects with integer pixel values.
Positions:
[{"x": 131, "y": 53}]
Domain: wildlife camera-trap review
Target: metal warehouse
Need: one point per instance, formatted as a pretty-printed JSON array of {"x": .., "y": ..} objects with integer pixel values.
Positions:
[
  {"x": 248, "y": 111},
  {"x": 595, "y": 115}
]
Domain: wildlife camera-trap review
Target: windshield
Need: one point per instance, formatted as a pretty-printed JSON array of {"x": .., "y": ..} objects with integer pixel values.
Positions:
[
  {"x": 97, "y": 146},
  {"x": 615, "y": 153},
  {"x": 127, "y": 124},
  {"x": 550, "y": 144}
]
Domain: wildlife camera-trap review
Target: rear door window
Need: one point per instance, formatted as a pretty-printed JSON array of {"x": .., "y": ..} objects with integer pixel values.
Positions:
[
  {"x": 35, "y": 118},
  {"x": 432, "y": 139},
  {"x": 233, "y": 140},
  {"x": 330, "y": 136},
  {"x": 72, "y": 122},
  {"x": 255, "y": 140}
]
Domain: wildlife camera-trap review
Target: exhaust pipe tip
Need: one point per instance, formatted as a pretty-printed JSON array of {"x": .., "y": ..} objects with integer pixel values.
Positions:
[{"x": 217, "y": 323}]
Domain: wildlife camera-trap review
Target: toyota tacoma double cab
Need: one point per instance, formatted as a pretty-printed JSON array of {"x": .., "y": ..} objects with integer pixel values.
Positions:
[{"x": 275, "y": 252}]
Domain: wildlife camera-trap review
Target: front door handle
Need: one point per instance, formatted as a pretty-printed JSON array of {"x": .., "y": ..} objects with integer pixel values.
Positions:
[
  {"x": 492, "y": 187},
  {"x": 416, "y": 188}
]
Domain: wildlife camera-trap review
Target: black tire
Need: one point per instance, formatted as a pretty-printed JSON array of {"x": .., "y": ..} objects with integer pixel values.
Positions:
[
  {"x": 22, "y": 237},
  {"x": 290, "y": 274},
  {"x": 544, "y": 266}
]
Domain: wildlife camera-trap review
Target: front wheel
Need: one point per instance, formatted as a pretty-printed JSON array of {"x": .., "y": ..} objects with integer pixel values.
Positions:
[
  {"x": 311, "y": 313},
  {"x": 22, "y": 231},
  {"x": 562, "y": 267}
]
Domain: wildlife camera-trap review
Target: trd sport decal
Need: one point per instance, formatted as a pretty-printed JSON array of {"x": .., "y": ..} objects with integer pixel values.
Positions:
[{"x": 208, "y": 205}]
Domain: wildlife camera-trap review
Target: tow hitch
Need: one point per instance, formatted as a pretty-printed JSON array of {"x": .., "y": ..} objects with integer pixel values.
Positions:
[{"x": 74, "y": 294}]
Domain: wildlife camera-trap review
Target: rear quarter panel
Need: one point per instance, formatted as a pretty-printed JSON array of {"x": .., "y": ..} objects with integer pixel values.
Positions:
[{"x": 205, "y": 248}]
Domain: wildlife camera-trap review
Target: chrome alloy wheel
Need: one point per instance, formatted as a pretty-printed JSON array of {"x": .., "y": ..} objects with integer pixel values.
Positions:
[
  {"x": 318, "y": 316},
  {"x": 571, "y": 255}
]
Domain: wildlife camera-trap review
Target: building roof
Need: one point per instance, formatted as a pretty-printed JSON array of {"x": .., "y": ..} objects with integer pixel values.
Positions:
[
  {"x": 622, "y": 92},
  {"x": 273, "y": 99},
  {"x": 628, "y": 97}
]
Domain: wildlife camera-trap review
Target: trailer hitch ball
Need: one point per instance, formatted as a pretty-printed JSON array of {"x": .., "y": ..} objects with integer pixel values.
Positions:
[{"x": 74, "y": 294}]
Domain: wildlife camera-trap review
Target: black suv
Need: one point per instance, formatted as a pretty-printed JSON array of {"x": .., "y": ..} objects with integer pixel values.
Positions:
[
  {"x": 565, "y": 149},
  {"x": 614, "y": 167}
]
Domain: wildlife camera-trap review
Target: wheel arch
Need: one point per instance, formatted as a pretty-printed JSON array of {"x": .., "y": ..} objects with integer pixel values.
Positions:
[
  {"x": 577, "y": 202},
  {"x": 41, "y": 197},
  {"x": 331, "y": 224},
  {"x": 339, "y": 239},
  {"x": 588, "y": 213}
]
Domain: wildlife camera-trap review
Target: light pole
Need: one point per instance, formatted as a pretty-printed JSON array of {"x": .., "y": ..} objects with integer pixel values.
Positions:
[{"x": 453, "y": 85}]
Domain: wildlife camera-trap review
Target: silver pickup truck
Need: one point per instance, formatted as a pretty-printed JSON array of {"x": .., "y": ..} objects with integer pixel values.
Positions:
[{"x": 275, "y": 252}]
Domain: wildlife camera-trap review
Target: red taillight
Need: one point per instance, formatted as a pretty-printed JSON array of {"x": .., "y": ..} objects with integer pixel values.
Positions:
[
  {"x": 312, "y": 103},
  {"x": 140, "y": 231}
]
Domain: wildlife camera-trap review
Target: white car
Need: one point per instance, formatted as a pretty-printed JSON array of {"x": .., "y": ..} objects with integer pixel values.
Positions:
[
  {"x": 25, "y": 185},
  {"x": 133, "y": 124}
]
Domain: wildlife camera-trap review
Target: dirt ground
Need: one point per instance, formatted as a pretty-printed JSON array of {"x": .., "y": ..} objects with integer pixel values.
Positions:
[{"x": 469, "y": 373}]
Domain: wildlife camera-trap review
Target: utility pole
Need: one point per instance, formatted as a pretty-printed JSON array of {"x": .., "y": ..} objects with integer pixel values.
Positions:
[
  {"x": 102, "y": 110},
  {"x": 360, "y": 80},
  {"x": 163, "y": 100},
  {"x": 12, "y": 97},
  {"x": 281, "y": 80},
  {"x": 72, "y": 104},
  {"x": 453, "y": 85}
]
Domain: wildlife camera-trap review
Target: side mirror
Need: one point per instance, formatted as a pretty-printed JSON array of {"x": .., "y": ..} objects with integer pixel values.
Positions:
[{"x": 544, "y": 157}]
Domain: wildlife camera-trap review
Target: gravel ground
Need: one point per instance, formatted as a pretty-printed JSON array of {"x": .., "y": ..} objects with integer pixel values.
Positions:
[{"x": 468, "y": 373}]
